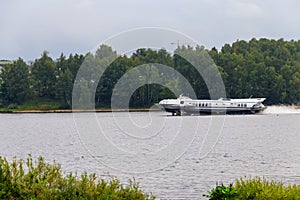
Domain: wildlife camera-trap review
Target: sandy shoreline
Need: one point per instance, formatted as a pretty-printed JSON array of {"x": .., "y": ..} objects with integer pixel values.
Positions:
[{"x": 295, "y": 107}]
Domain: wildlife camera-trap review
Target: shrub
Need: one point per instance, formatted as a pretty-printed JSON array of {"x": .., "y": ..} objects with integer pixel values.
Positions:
[
  {"x": 222, "y": 192},
  {"x": 40, "y": 180},
  {"x": 255, "y": 189},
  {"x": 12, "y": 106}
]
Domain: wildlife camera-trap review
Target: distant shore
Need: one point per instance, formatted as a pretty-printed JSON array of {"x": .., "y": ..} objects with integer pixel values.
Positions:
[
  {"x": 104, "y": 110},
  {"x": 83, "y": 111}
]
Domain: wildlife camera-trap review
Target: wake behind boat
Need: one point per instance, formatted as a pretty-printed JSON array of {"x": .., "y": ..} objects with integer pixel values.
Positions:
[{"x": 185, "y": 105}]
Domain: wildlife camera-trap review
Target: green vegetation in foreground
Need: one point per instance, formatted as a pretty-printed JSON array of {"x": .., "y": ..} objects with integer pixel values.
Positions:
[
  {"x": 40, "y": 180},
  {"x": 28, "y": 179},
  {"x": 256, "y": 189}
]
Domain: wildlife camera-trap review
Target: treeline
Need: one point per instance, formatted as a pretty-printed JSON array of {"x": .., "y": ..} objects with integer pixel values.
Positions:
[
  {"x": 258, "y": 68},
  {"x": 46, "y": 78},
  {"x": 265, "y": 68}
]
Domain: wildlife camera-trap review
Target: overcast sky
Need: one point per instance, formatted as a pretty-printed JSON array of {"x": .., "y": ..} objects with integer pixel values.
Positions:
[{"x": 77, "y": 26}]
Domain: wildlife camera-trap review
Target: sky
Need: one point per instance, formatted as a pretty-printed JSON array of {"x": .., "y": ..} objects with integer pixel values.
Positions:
[{"x": 27, "y": 28}]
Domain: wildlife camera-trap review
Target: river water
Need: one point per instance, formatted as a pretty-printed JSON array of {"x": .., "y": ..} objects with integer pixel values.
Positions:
[{"x": 172, "y": 157}]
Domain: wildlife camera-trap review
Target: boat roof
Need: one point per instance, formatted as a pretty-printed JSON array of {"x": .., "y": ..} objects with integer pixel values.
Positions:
[{"x": 230, "y": 100}]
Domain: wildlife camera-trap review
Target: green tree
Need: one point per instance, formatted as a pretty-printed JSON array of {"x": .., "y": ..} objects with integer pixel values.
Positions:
[
  {"x": 291, "y": 76},
  {"x": 74, "y": 63},
  {"x": 264, "y": 67},
  {"x": 43, "y": 76},
  {"x": 15, "y": 82},
  {"x": 64, "y": 87}
]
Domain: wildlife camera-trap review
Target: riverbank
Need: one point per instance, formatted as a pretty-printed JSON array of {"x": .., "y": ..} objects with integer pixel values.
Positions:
[
  {"x": 296, "y": 107},
  {"x": 87, "y": 111},
  {"x": 102, "y": 110},
  {"x": 44, "y": 105}
]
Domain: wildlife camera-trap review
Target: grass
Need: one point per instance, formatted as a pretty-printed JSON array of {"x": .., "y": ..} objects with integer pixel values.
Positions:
[
  {"x": 255, "y": 189},
  {"x": 28, "y": 179},
  {"x": 260, "y": 188},
  {"x": 46, "y": 104},
  {"x": 39, "y": 104},
  {"x": 42, "y": 104}
]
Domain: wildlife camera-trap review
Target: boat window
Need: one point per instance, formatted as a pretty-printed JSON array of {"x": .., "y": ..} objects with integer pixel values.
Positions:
[
  {"x": 181, "y": 102},
  {"x": 245, "y": 105},
  {"x": 238, "y": 105},
  {"x": 206, "y": 104}
]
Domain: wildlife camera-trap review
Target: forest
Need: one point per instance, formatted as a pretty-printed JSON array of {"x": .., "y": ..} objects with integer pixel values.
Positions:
[{"x": 258, "y": 68}]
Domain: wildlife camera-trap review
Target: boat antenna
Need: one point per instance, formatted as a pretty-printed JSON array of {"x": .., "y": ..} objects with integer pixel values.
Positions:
[{"x": 250, "y": 97}]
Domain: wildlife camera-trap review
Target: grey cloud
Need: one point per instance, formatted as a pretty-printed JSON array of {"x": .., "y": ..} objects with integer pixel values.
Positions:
[{"x": 76, "y": 26}]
